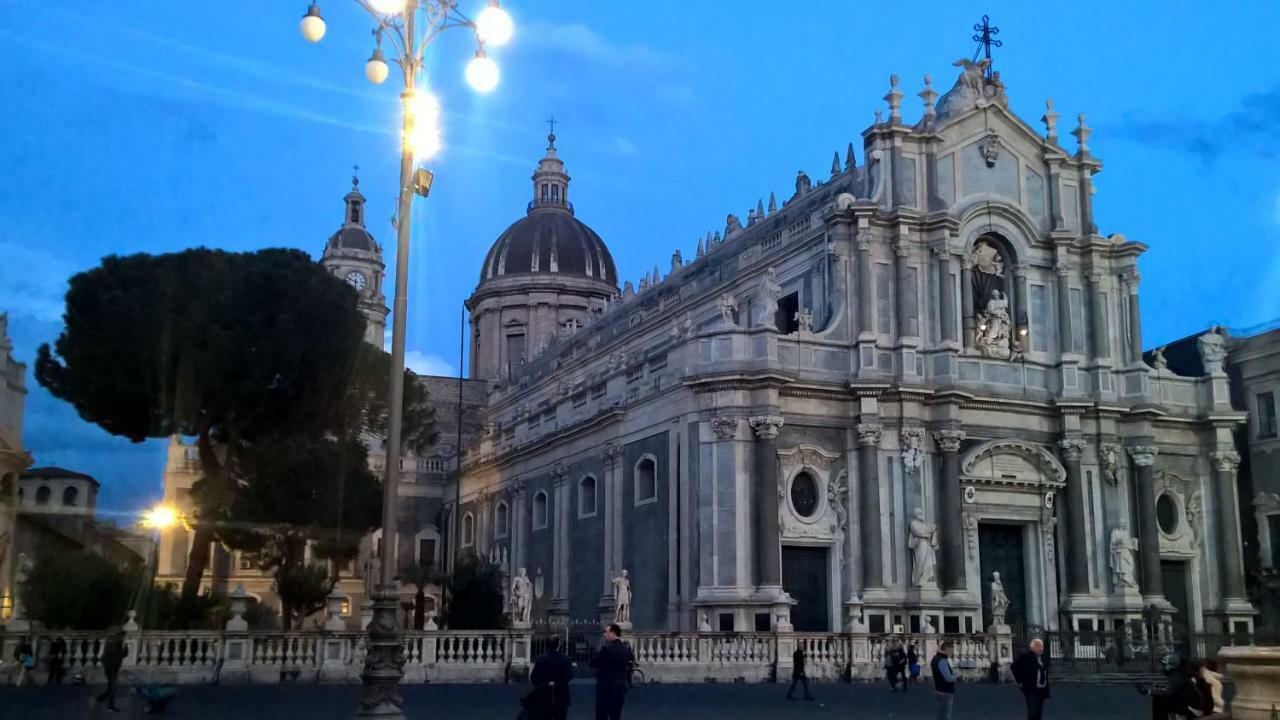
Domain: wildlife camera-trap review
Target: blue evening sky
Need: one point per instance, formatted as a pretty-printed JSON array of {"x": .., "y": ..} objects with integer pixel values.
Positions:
[{"x": 155, "y": 126}]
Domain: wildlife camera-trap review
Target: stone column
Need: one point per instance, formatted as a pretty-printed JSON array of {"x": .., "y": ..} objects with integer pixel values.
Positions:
[
  {"x": 612, "y": 501},
  {"x": 560, "y": 576},
  {"x": 1021, "y": 308},
  {"x": 902, "y": 278},
  {"x": 1144, "y": 460},
  {"x": 966, "y": 301},
  {"x": 1099, "y": 334},
  {"x": 1063, "y": 271},
  {"x": 768, "y": 548},
  {"x": 619, "y": 517},
  {"x": 1077, "y": 542},
  {"x": 519, "y": 523},
  {"x": 1225, "y": 463},
  {"x": 946, "y": 294},
  {"x": 949, "y": 513},
  {"x": 869, "y": 523},
  {"x": 866, "y": 301},
  {"x": 1135, "y": 319}
]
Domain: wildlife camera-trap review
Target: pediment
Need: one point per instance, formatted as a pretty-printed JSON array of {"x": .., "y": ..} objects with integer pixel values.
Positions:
[{"x": 1013, "y": 462}]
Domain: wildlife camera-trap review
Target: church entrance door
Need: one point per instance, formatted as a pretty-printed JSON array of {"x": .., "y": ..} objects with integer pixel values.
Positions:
[
  {"x": 805, "y": 578},
  {"x": 1173, "y": 577},
  {"x": 1000, "y": 550}
]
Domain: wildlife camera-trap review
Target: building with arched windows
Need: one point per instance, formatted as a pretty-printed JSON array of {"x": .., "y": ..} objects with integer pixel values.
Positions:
[{"x": 857, "y": 405}]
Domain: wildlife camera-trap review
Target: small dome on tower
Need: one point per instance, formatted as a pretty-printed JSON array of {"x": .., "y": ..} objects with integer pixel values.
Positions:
[{"x": 353, "y": 235}]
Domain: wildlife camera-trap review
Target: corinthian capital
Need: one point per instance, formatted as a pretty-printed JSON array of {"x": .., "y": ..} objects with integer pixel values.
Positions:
[
  {"x": 1143, "y": 455},
  {"x": 864, "y": 241},
  {"x": 948, "y": 440},
  {"x": 869, "y": 433},
  {"x": 766, "y": 426},
  {"x": 1225, "y": 461},
  {"x": 1071, "y": 448},
  {"x": 724, "y": 427}
]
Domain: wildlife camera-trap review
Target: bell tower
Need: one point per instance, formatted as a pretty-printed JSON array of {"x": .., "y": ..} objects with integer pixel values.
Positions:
[{"x": 352, "y": 255}]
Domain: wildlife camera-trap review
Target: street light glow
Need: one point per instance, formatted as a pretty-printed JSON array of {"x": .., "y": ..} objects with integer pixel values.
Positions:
[
  {"x": 493, "y": 25},
  {"x": 160, "y": 517},
  {"x": 388, "y": 7},
  {"x": 376, "y": 68},
  {"x": 312, "y": 24},
  {"x": 423, "y": 135},
  {"x": 482, "y": 73}
]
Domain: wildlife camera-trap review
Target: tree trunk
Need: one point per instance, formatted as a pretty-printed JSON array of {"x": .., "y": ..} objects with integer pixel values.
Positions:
[{"x": 197, "y": 561}]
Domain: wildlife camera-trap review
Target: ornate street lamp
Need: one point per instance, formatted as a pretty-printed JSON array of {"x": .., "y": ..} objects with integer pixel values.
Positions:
[{"x": 411, "y": 26}]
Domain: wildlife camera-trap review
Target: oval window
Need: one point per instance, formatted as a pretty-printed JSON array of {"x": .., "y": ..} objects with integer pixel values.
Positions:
[
  {"x": 804, "y": 495},
  {"x": 1167, "y": 514}
]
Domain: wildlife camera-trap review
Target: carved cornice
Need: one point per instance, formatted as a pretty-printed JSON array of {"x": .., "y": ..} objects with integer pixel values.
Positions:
[
  {"x": 1143, "y": 455},
  {"x": 1225, "y": 461},
  {"x": 724, "y": 427},
  {"x": 869, "y": 433},
  {"x": 766, "y": 426},
  {"x": 948, "y": 440},
  {"x": 1071, "y": 449}
]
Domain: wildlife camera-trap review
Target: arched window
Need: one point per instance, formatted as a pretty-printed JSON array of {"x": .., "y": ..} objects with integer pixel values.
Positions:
[
  {"x": 646, "y": 480},
  {"x": 587, "y": 497},
  {"x": 540, "y": 510},
  {"x": 42, "y": 495},
  {"x": 468, "y": 530},
  {"x": 501, "y": 520},
  {"x": 70, "y": 495}
]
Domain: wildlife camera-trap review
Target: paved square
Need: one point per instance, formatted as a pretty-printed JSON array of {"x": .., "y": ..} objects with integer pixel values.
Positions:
[{"x": 664, "y": 702}]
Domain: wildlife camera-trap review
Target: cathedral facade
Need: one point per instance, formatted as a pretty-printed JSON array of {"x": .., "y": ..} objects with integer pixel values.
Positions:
[{"x": 910, "y": 386}]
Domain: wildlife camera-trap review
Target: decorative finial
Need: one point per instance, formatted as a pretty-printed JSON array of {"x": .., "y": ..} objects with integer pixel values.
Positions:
[
  {"x": 850, "y": 162},
  {"x": 894, "y": 98},
  {"x": 355, "y": 177},
  {"x": 929, "y": 96},
  {"x": 759, "y": 209},
  {"x": 551, "y": 136},
  {"x": 1050, "y": 119},
  {"x": 879, "y": 116},
  {"x": 656, "y": 277},
  {"x": 1081, "y": 134},
  {"x": 835, "y": 163},
  {"x": 985, "y": 38},
  {"x": 751, "y": 217},
  {"x": 701, "y": 250},
  {"x": 773, "y": 203},
  {"x": 677, "y": 260}
]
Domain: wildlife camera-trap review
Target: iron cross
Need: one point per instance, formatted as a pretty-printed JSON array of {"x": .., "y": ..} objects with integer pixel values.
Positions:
[{"x": 985, "y": 38}]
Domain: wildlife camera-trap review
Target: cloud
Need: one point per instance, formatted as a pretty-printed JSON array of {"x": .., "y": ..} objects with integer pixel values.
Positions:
[
  {"x": 422, "y": 364},
  {"x": 625, "y": 148},
  {"x": 34, "y": 280},
  {"x": 1251, "y": 129},
  {"x": 578, "y": 39}
]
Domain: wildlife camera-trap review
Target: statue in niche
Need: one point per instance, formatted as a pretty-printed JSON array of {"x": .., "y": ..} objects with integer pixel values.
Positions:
[
  {"x": 1121, "y": 552},
  {"x": 770, "y": 291},
  {"x": 986, "y": 259},
  {"x": 728, "y": 308},
  {"x": 622, "y": 599},
  {"x": 999, "y": 601},
  {"x": 994, "y": 327},
  {"x": 923, "y": 544},
  {"x": 521, "y": 597},
  {"x": 804, "y": 319}
]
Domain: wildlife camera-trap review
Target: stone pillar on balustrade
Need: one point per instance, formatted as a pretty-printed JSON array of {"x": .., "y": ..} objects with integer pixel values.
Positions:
[
  {"x": 334, "y": 652},
  {"x": 236, "y": 645},
  {"x": 132, "y": 639}
]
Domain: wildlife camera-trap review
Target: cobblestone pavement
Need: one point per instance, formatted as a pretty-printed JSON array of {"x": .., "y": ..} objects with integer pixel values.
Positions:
[{"x": 663, "y": 702}]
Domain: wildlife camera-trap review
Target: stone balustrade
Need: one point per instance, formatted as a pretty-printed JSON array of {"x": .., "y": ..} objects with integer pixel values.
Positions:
[{"x": 483, "y": 656}]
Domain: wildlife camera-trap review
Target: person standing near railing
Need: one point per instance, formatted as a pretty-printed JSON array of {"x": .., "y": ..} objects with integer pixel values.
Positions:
[
  {"x": 1031, "y": 673},
  {"x": 57, "y": 661},
  {"x": 612, "y": 663},
  {"x": 944, "y": 680},
  {"x": 797, "y": 672},
  {"x": 112, "y": 658},
  {"x": 25, "y": 656}
]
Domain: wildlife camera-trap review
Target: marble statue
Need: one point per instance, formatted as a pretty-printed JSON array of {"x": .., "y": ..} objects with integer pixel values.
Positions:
[
  {"x": 704, "y": 622},
  {"x": 994, "y": 327},
  {"x": 924, "y": 545},
  {"x": 521, "y": 597},
  {"x": 1158, "y": 360},
  {"x": 1111, "y": 463},
  {"x": 431, "y": 622},
  {"x": 728, "y": 306},
  {"x": 986, "y": 259},
  {"x": 1213, "y": 350},
  {"x": 804, "y": 319},
  {"x": 731, "y": 225},
  {"x": 999, "y": 601},
  {"x": 1121, "y": 552},
  {"x": 622, "y": 599},
  {"x": 927, "y": 627},
  {"x": 770, "y": 291}
]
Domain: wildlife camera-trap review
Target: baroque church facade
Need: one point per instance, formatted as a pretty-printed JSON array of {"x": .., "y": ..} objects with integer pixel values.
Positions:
[{"x": 856, "y": 407}]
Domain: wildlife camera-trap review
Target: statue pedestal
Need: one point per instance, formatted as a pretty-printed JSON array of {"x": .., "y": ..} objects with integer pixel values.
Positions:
[
  {"x": 1256, "y": 674},
  {"x": 624, "y": 625},
  {"x": 520, "y": 625}
]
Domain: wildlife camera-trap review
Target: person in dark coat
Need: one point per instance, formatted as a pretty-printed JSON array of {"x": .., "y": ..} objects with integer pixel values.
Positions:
[
  {"x": 797, "y": 673},
  {"x": 944, "y": 681},
  {"x": 1179, "y": 695},
  {"x": 895, "y": 662},
  {"x": 612, "y": 663},
  {"x": 1031, "y": 673},
  {"x": 550, "y": 678},
  {"x": 25, "y": 656},
  {"x": 913, "y": 665},
  {"x": 113, "y": 656},
  {"x": 57, "y": 661}
]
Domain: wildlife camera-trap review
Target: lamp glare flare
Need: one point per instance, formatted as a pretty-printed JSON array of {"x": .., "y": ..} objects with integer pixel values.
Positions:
[
  {"x": 423, "y": 134},
  {"x": 494, "y": 26},
  {"x": 160, "y": 517},
  {"x": 482, "y": 73},
  {"x": 388, "y": 7}
]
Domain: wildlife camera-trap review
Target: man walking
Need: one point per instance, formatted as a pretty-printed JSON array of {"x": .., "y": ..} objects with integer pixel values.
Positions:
[
  {"x": 25, "y": 656},
  {"x": 894, "y": 661},
  {"x": 550, "y": 678},
  {"x": 612, "y": 663},
  {"x": 57, "y": 661},
  {"x": 797, "y": 673},
  {"x": 1031, "y": 673},
  {"x": 112, "y": 658},
  {"x": 944, "y": 680}
]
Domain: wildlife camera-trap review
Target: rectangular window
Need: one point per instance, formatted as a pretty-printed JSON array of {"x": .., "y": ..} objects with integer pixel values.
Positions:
[
  {"x": 1039, "y": 318},
  {"x": 546, "y": 194},
  {"x": 788, "y": 307},
  {"x": 884, "y": 298},
  {"x": 1266, "y": 415},
  {"x": 912, "y": 308},
  {"x": 515, "y": 351},
  {"x": 426, "y": 552},
  {"x": 1077, "y": 321}
]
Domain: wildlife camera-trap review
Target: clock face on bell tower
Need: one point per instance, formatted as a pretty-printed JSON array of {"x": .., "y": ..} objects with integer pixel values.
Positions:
[{"x": 357, "y": 280}]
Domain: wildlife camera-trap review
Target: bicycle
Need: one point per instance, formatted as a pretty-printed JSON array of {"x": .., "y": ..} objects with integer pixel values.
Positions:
[{"x": 635, "y": 678}]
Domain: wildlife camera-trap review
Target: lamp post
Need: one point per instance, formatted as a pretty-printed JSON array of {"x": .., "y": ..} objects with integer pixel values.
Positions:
[{"x": 411, "y": 26}]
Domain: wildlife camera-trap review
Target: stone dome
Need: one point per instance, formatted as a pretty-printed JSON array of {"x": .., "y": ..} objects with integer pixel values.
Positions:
[
  {"x": 550, "y": 240},
  {"x": 352, "y": 237}
]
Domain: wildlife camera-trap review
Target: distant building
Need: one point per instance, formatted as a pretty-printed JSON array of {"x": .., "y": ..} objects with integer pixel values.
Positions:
[
  {"x": 13, "y": 460},
  {"x": 57, "y": 508}
]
